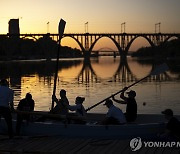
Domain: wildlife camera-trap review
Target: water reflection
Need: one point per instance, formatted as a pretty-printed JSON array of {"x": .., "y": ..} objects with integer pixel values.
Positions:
[
  {"x": 95, "y": 79},
  {"x": 118, "y": 71},
  {"x": 87, "y": 74},
  {"x": 32, "y": 76},
  {"x": 123, "y": 72}
]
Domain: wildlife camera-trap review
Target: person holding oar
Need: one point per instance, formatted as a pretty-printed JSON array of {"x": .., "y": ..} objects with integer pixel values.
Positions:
[
  {"x": 158, "y": 70},
  {"x": 61, "y": 104},
  {"x": 131, "y": 108}
]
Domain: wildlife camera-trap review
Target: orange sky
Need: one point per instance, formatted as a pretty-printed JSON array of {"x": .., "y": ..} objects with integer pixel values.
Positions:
[{"x": 102, "y": 15}]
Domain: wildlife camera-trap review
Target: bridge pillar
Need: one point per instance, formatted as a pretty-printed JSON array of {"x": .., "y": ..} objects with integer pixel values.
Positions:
[
  {"x": 123, "y": 55},
  {"x": 86, "y": 41},
  {"x": 87, "y": 54}
]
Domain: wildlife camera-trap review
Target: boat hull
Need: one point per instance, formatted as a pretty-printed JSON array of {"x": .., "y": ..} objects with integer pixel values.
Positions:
[{"x": 147, "y": 129}]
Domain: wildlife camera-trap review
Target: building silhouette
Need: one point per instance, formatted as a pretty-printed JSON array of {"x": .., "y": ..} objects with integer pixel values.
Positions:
[{"x": 14, "y": 29}]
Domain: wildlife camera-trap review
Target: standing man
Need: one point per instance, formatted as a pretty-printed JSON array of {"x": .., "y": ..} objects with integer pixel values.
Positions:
[
  {"x": 6, "y": 104},
  {"x": 131, "y": 108}
]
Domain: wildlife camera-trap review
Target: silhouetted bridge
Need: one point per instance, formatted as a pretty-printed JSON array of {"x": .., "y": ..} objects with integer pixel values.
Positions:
[{"x": 122, "y": 41}]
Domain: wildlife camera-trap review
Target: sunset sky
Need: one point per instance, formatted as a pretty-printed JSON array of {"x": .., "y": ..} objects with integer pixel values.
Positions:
[{"x": 103, "y": 16}]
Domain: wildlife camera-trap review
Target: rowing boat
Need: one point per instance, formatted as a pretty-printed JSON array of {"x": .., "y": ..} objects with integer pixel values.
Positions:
[{"x": 146, "y": 126}]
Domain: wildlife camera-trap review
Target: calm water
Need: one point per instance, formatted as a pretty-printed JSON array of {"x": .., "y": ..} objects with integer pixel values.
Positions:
[{"x": 95, "y": 80}]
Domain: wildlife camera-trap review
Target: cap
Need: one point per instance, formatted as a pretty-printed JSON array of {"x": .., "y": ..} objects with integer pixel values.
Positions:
[
  {"x": 167, "y": 112},
  {"x": 108, "y": 101},
  {"x": 132, "y": 92},
  {"x": 80, "y": 99}
]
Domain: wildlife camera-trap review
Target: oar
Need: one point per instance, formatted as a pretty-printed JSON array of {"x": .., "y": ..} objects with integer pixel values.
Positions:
[
  {"x": 61, "y": 28},
  {"x": 158, "y": 70}
]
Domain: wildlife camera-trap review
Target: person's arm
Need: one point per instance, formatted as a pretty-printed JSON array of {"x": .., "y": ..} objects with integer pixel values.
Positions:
[
  {"x": 73, "y": 107},
  {"x": 118, "y": 101},
  {"x": 65, "y": 102},
  {"x": 32, "y": 105},
  {"x": 122, "y": 94},
  {"x": 123, "y": 97},
  {"x": 109, "y": 113},
  {"x": 54, "y": 98},
  {"x": 19, "y": 107},
  {"x": 11, "y": 100}
]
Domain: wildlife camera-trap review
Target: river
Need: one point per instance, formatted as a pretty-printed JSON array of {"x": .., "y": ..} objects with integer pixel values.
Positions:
[{"x": 95, "y": 80}]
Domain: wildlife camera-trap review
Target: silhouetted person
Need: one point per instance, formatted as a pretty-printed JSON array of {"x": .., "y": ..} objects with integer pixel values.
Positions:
[
  {"x": 61, "y": 104},
  {"x": 80, "y": 110},
  {"x": 6, "y": 104},
  {"x": 131, "y": 108},
  {"x": 172, "y": 131},
  {"x": 114, "y": 115},
  {"x": 26, "y": 104}
]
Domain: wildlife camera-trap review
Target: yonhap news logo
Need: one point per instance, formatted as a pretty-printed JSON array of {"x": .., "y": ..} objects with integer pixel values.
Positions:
[{"x": 137, "y": 143}]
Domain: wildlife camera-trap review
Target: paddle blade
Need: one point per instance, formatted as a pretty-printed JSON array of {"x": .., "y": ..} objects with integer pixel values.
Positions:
[
  {"x": 160, "y": 69},
  {"x": 61, "y": 27}
]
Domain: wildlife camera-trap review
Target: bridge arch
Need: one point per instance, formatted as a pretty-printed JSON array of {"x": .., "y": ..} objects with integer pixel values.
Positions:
[
  {"x": 29, "y": 37},
  {"x": 177, "y": 36},
  {"x": 114, "y": 41},
  {"x": 110, "y": 49},
  {"x": 79, "y": 43},
  {"x": 130, "y": 43}
]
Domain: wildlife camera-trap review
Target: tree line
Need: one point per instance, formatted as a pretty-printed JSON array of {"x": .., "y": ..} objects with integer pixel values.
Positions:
[
  {"x": 170, "y": 49},
  {"x": 24, "y": 48}
]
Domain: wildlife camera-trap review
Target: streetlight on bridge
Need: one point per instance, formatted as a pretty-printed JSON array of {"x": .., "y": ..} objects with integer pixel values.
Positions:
[
  {"x": 159, "y": 26},
  {"x": 86, "y": 27},
  {"x": 48, "y": 27},
  {"x": 123, "y": 25}
]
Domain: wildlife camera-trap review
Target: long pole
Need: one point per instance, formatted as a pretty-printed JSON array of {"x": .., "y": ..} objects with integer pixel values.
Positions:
[
  {"x": 159, "y": 69},
  {"x": 114, "y": 94},
  {"x": 56, "y": 72},
  {"x": 61, "y": 28}
]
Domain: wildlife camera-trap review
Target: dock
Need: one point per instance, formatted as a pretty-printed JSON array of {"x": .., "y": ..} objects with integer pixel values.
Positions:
[{"x": 58, "y": 144}]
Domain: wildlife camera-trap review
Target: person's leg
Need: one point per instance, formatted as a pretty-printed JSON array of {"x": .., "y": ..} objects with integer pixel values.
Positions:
[
  {"x": 6, "y": 113},
  {"x": 18, "y": 124},
  {"x": 110, "y": 121},
  {"x": 113, "y": 121}
]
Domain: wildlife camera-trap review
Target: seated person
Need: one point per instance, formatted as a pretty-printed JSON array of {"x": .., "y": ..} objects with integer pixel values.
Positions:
[
  {"x": 80, "y": 110},
  {"x": 172, "y": 131},
  {"x": 61, "y": 107},
  {"x": 114, "y": 115},
  {"x": 61, "y": 104},
  {"x": 26, "y": 104}
]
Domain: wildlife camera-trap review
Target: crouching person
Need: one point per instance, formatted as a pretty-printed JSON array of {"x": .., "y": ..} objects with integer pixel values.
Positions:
[
  {"x": 114, "y": 115},
  {"x": 26, "y": 104}
]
